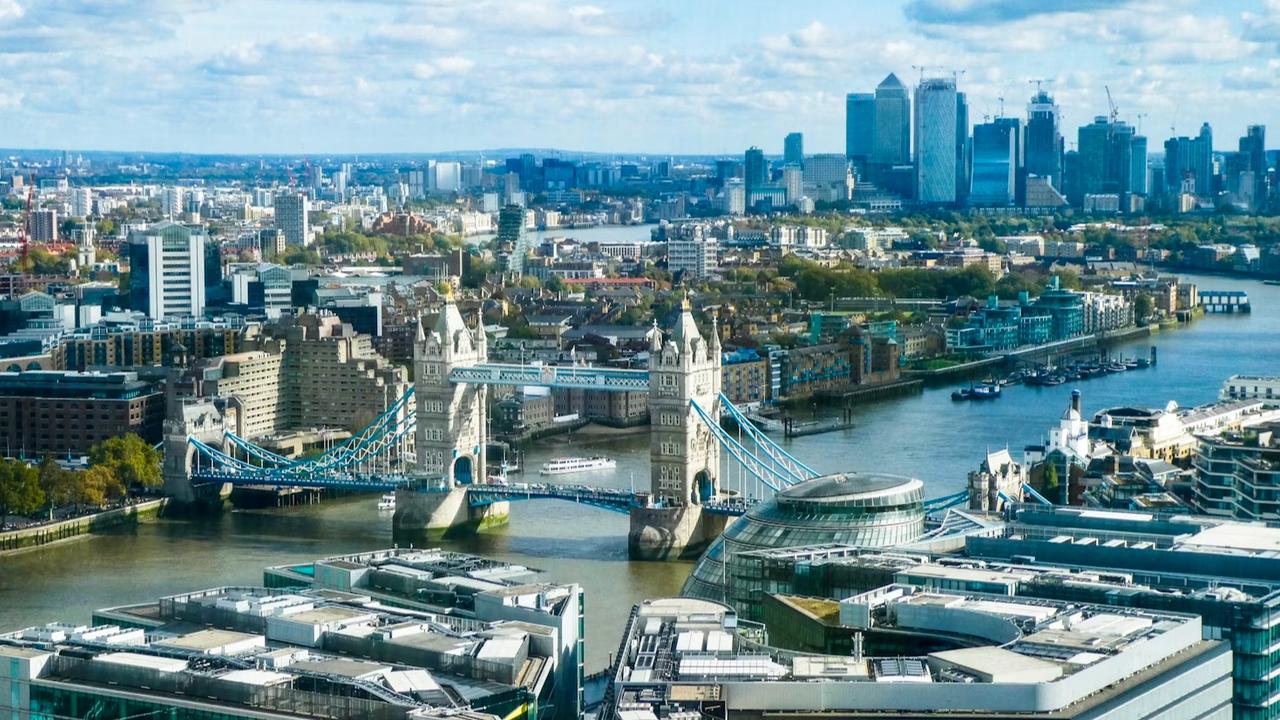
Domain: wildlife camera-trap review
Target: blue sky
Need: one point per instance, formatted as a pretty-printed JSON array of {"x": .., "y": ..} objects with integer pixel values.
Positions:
[{"x": 707, "y": 76}]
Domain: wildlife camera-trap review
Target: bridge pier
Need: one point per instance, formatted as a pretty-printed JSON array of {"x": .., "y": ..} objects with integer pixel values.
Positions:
[
  {"x": 431, "y": 515},
  {"x": 672, "y": 533}
]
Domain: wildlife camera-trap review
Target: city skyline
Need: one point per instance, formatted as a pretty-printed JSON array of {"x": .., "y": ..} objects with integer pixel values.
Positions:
[{"x": 438, "y": 76}]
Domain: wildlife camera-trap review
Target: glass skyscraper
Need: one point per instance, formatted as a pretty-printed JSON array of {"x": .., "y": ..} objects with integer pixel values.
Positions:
[
  {"x": 859, "y": 126},
  {"x": 995, "y": 156},
  {"x": 936, "y": 132},
  {"x": 793, "y": 149},
  {"x": 1044, "y": 139},
  {"x": 893, "y": 123},
  {"x": 757, "y": 171}
]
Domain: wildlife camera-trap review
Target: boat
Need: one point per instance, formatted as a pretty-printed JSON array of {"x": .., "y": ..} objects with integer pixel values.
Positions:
[
  {"x": 569, "y": 465},
  {"x": 985, "y": 391},
  {"x": 387, "y": 502},
  {"x": 962, "y": 394},
  {"x": 1271, "y": 282}
]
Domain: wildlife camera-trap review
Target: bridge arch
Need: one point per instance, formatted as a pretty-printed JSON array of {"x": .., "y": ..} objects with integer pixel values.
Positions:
[
  {"x": 704, "y": 487},
  {"x": 463, "y": 471}
]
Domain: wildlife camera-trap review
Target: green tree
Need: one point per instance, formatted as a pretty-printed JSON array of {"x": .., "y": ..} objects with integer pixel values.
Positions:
[
  {"x": 59, "y": 485},
  {"x": 20, "y": 492},
  {"x": 1144, "y": 306},
  {"x": 1051, "y": 481},
  {"x": 130, "y": 459}
]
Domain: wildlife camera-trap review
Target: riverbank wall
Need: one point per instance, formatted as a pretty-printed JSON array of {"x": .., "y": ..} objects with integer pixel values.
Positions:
[
  {"x": 30, "y": 538},
  {"x": 1055, "y": 349}
]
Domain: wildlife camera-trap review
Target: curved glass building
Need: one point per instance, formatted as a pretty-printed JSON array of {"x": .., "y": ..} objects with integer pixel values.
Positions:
[{"x": 867, "y": 509}]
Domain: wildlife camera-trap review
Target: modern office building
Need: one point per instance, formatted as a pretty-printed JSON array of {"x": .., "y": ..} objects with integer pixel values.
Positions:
[
  {"x": 1188, "y": 163},
  {"x": 793, "y": 149},
  {"x": 1044, "y": 139},
  {"x": 859, "y": 127},
  {"x": 867, "y": 509},
  {"x": 995, "y": 164},
  {"x": 229, "y": 653},
  {"x": 66, "y": 413},
  {"x": 827, "y": 176},
  {"x": 917, "y": 653},
  {"x": 1112, "y": 162},
  {"x": 892, "y": 138},
  {"x": 171, "y": 269},
  {"x": 756, "y": 169},
  {"x": 1253, "y": 146},
  {"x": 291, "y": 219},
  {"x": 1226, "y": 572},
  {"x": 936, "y": 133},
  {"x": 471, "y": 587}
]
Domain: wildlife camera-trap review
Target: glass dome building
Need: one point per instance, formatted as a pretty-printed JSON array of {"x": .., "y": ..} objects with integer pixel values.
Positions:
[{"x": 866, "y": 509}]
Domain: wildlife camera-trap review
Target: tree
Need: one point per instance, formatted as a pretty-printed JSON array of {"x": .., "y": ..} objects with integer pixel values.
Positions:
[
  {"x": 91, "y": 485},
  {"x": 1143, "y": 306},
  {"x": 59, "y": 485},
  {"x": 1051, "y": 481},
  {"x": 20, "y": 492},
  {"x": 131, "y": 459}
]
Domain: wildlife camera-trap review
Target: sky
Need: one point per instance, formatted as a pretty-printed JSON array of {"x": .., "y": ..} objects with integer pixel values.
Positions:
[{"x": 641, "y": 76}]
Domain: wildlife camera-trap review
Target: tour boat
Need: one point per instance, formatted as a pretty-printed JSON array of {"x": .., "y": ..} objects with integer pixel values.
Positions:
[
  {"x": 387, "y": 502},
  {"x": 567, "y": 465}
]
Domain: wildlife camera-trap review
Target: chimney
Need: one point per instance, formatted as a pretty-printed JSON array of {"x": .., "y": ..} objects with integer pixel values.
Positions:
[{"x": 1075, "y": 401}]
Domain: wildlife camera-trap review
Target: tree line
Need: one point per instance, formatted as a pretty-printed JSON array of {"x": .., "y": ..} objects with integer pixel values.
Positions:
[{"x": 117, "y": 466}]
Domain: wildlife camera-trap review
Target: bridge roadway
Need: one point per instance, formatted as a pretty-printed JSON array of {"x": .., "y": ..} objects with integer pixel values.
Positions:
[
  {"x": 559, "y": 376},
  {"x": 617, "y": 500}
]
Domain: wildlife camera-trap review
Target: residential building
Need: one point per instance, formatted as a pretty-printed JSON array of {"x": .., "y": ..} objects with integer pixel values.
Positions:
[
  {"x": 172, "y": 266},
  {"x": 291, "y": 218},
  {"x": 43, "y": 226},
  {"x": 1251, "y": 387},
  {"x": 1238, "y": 474},
  {"x": 692, "y": 249},
  {"x": 147, "y": 344},
  {"x": 745, "y": 377},
  {"x": 936, "y": 132},
  {"x": 66, "y": 413}
]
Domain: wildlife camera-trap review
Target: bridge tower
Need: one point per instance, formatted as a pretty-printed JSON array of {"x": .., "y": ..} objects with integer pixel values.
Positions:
[
  {"x": 451, "y": 434},
  {"x": 684, "y": 457}
]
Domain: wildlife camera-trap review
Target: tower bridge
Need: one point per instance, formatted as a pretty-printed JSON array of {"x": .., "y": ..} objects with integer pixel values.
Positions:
[{"x": 429, "y": 446}]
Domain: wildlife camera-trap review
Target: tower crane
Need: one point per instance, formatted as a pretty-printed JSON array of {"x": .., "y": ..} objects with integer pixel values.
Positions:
[{"x": 1115, "y": 111}]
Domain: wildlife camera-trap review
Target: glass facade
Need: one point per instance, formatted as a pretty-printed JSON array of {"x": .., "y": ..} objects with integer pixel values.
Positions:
[
  {"x": 994, "y": 164},
  {"x": 862, "y": 509},
  {"x": 936, "y": 147}
]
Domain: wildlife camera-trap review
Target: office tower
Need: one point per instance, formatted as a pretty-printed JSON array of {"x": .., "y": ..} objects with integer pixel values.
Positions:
[
  {"x": 757, "y": 172},
  {"x": 995, "y": 156},
  {"x": 962, "y": 147},
  {"x": 1138, "y": 167},
  {"x": 291, "y": 218},
  {"x": 1177, "y": 163},
  {"x": 42, "y": 226},
  {"x": 828, "y": 175},
  {"x": 859, "y": 127},
  {"x": 173, "y": 201},
  {"x": 1019, "y": 132},
  {"x": 1092, "y": 143},
  {"x": 448, "y": 177},
  {"x": 1202, "y": 161},
  {"x": 892, "y": 135},
  {"x": 1044, "y": 139},
  {"x": 734, "y": 197},
  {"x": 1107, "y": 163},
  {"x": 167, "y": 270},
  {"x": 793, "y": 181},
  {"x": 727, "y": 170},
  {"x": 1254, "y": 147},
  {"x": 793, "y": 149},
  {"x": 1071, "y": 183},
  {"x": 936, "y": 146}
]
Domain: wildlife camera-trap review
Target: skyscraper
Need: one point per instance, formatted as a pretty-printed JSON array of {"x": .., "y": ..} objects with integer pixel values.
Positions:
[
  {"x": 892, "y": 135},
  {"x": 1254, "y": 147},
  {"x": 962, "y": 147},
  {"x": 757, "y": 172},
  {"x": 936, "y": 132},
  {"x": 291, "y": 218},
  {"x": 1019, "y": 132},
  {"x": 1044, "y": 139},
  {"x": 793, "y": 149},
  {"x": 1202, "y": 161},
  {"x": 1107, "y": 160},
  {"x": 995, "y": 155},
  {"x": 859, "y": 126},
  {"x": 1138, "y": 168}
]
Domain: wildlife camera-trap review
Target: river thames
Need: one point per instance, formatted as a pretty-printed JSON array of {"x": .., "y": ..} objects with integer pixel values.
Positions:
[{"x": 925, "y": 435}]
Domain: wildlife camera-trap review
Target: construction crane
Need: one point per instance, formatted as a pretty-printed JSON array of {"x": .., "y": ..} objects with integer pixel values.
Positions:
[
  {"x": 1038, "y": 82},
  {"x": 1140, "y": 116},
  {"x": 921, "y": 68},
  {"x": 1115, "y": 111},
  {"x": 1001, "y": 99}
]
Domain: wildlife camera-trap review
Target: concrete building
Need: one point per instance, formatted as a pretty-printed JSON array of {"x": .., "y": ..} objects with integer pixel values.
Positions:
[
  {"x": 66, "y": 413},
  {"x": 291, "y": 218},
  {"x": 692, "y": 249},
  {"x": 1028, "y": 658}
]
